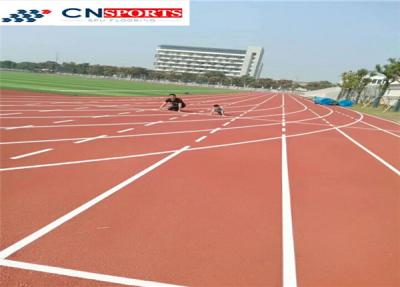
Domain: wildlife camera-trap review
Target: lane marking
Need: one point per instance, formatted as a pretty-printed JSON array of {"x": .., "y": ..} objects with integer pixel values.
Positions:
[
  {"x": 21, "y": 127},
  {"x": 61, "y": 220},
  {"x": 127, "y": 130},
  {"x": 45, "y": 111},
  {"x": 86, "y": 161},
  {"x": 90, "y": 139},
  {"x": 66, "y": 121},
  {"x": 125, "y": 113},
  {"x": 83, "y": 274},
  {"x": 215, "y": 130},
  {"x": 174, "y": 118},
  {"x": 153, "y": 123},
  {"x": 32, "y": 153},
  {"x": 10, "y": 114},
  {"x": 225, "y": 124},
  {"x": 381, "y": 160},
  {"x": 371, "y": 153},
  {"x": 102, "y": 116},
  {"x": 288, "y": 249},
  {"x": 200, "y": 139},
  {"x": 81, "y": 108}
]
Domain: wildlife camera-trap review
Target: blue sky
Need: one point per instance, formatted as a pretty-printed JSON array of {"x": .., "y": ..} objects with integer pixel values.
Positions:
[{"x": 303, "y": 41}]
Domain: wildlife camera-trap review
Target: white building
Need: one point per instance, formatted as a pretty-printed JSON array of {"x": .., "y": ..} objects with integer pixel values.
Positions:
[{"x": 198, "y": 60}]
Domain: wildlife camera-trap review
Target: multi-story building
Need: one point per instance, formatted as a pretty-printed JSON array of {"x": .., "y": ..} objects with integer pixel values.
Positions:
[{"x": 198, "y": 60}]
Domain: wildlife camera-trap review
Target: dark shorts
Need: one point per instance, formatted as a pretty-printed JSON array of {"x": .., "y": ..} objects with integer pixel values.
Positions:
[{"x": 173, "y": 109}]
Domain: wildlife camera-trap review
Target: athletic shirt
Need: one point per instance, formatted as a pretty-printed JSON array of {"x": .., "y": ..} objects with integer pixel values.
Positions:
[{"x": 175, "y": 102}]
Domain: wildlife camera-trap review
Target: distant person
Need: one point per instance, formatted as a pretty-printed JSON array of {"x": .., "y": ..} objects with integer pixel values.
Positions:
[
  {"x": 174, "y": 103},
  {"x": 217, "y": 109}
]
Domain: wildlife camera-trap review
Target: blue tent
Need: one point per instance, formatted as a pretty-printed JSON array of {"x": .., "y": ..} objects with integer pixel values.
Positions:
[
  {"x": 345, "y": 103},
  {"x": 324, "y": 101}
]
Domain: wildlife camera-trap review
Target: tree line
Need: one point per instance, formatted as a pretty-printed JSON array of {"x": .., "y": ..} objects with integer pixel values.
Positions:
[
  {"x": 210, "y": 78},
  {"x": 354, "y": 83}
]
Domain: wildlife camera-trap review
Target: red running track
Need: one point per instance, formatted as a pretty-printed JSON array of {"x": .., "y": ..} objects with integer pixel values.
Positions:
[{"x": 100, "y": 191}]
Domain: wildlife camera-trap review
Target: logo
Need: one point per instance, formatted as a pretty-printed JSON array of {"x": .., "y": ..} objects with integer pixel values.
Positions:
[
  {"x": 94, "y": 13},
  {"x": 123, "y": 13},
  {"x": 25, "y": 16}
]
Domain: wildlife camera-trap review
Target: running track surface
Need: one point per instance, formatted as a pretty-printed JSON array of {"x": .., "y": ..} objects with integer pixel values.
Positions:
[{"x": 101, "y": 191}]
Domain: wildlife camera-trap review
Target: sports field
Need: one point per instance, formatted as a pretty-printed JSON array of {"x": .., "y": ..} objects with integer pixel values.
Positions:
[
  {"x": 79, "y": 85},
  {"x": 100, "y": 191}
]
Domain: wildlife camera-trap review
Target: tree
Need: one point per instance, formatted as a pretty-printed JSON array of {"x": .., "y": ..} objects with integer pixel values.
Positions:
[
  {"x": 391, "y": 71},
  {"x": 363, "y": 79}
]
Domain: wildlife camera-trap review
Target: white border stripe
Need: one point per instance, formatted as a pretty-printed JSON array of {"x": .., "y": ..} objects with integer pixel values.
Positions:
[
  {"x": 83, "y": 274},
  {"x": 127, "y": 130},
  {"x": 31, "y": 153},
  {"x": 200, "y": 139},
  {"x": 56, "y": 223},
  {"x": 90, "y": 139},
  {"x": 288, "y": 252}
]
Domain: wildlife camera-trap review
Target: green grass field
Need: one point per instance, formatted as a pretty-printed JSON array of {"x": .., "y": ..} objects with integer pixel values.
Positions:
[
  {"x": 379, "y": 112},
  {"x": 77, "y": 85}
]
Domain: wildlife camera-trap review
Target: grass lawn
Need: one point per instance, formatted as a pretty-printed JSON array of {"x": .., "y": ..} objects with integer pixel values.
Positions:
[
  {"x": 393, "y": 116},
  {"x": 77, "y": 85}
]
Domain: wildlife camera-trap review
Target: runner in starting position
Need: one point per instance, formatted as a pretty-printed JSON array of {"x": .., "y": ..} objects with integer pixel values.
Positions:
[
  {"x": 217, "y": 109},
  {"x": 175, "y": 104}
]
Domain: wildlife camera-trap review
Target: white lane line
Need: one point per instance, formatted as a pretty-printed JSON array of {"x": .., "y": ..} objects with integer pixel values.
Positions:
[
  {"x": 10, "y": 114},
  {"x": 125, "y": 113},
  {"x": 200, "y": 139},
  {"x": 225, "y": 124},
  {"x": 382, "y": 130},
  {"x": 283, "y": 129},
  {"x": 66, "y": 121},
  {"x": 123, "y": 131},
  {"x": 90, "y": 139},
  {"x": 21, "y": 127},
  {"x": 371, "y": 153},
  {"x": 153, "y": 123},
  {"x": 174, "y": 118},
  {"x": 381, "y": 160},
  {"x": 139, "y": 111},
  {"x": 288, "y": 251},
  {"x": 45, "y": 111},
  {"x": 86, "y": 161},
  {"x": 61, "y": 220},
  {"x": 185, "y": 115},
  {"x": 215, "y": 130},
  {"x": 81, "y": 108},
  {"x": 31, "y": 153},
  {"x": 83, "y": 274},
  {"x": 103, "y": 116}
]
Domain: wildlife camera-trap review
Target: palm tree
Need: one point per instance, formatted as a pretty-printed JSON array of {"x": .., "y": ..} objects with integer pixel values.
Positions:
[{"x": 391, "y": 72}]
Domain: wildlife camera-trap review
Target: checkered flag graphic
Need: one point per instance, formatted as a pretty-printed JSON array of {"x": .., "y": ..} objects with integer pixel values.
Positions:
[{"x": 26, "y": 16}]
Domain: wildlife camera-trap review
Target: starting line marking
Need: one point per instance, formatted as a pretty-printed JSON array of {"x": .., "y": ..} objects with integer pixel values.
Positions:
[
  {"x": 151, "y": 124},
  {"x": 200, "y": 139},
  {"x": 215, "y": 130},
  {"x": 61, "y": 220},
  {"x": 21, "y": 127},
  {"x": 127, "y": 130},
  {"x": 90, "y": 139},
  {"x": 66, "y": 121},
  {"x": 31, "y": 153},
  {"x": 10, "y": 114},
  {"x": 83, "y": 274},
  {"x": 44, "y": 111}
]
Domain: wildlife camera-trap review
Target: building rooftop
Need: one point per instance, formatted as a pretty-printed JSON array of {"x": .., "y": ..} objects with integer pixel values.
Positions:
[{"x": 201, "y": 49}]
